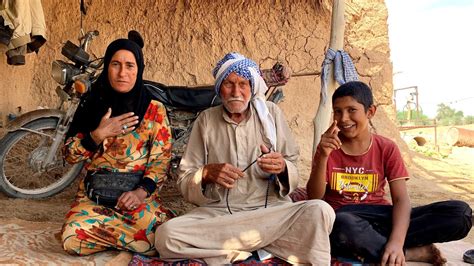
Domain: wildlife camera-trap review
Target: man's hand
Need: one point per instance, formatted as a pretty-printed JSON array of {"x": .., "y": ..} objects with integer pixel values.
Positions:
[
  {"x": 393, "y": 255},
  {"x": 271, "y": 162},
  {"x": 111, "y": 127},
  {"x": 329, "y": 140},
  {"x": 223, "y": 174},
  {"x": 130, "y": 200}
]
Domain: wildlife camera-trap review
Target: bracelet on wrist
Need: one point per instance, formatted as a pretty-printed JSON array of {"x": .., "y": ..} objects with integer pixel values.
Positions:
[{"x": 148, "y": 194}]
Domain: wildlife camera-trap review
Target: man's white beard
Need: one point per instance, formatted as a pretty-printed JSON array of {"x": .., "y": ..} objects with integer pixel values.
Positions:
[{"x": 234, "y": 110}]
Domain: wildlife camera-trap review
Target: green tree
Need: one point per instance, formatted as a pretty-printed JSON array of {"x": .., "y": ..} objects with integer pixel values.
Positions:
[
  {"x": 448, "y": 116},
  {"x": 419, "y": 118},
  {"x": 469, "y": 120}
]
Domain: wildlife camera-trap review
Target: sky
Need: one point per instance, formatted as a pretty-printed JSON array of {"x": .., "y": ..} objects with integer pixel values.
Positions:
[{"x": 432, "y": 47}]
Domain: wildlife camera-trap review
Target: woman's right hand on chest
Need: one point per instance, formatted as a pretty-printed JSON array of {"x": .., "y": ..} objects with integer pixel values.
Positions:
[{"x": 111, "y": 127}]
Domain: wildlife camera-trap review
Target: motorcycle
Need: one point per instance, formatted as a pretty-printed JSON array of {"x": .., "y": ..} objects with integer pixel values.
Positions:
[
  {"x": 31, "y": 164},
  {"x": 31, "y": 161}
]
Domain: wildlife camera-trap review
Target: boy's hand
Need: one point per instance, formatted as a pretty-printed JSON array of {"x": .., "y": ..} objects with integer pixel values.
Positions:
[
  {"x": 329, "y": 140},
  {"x": 393, "y": 255}
]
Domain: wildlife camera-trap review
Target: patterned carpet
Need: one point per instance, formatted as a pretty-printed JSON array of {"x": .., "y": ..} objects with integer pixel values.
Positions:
[{"x": 139, "y": 260}]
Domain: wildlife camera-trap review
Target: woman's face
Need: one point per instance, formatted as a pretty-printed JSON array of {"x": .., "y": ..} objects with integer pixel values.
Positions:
[{"x": 123, "y": 71}]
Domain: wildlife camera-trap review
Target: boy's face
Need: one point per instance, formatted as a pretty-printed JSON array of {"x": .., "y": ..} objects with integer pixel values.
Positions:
[{"x": 352, "y": 119}]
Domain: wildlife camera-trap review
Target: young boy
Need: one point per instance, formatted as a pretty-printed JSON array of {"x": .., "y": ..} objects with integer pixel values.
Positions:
[{"x": 350, "y": 169}]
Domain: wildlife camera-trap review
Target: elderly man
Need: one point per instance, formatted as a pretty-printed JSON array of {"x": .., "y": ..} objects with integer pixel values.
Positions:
[{"x": 243, "y": 205}]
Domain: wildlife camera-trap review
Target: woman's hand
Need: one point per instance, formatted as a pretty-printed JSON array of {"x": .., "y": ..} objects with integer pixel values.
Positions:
[
  {"x": 271, "y": 162},
  {"x": 329, "y": 140},
  {"x": 111, "y": 127},
  {"x": 130, "y": 200},
  {"x": 393, "y": 254}
]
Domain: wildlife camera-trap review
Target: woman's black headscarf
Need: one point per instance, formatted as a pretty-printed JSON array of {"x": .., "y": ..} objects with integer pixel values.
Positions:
[{"x": 102, "y": 96}]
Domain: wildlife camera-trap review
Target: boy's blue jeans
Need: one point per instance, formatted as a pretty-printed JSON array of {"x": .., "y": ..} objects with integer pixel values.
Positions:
[{"x": 363, "y": 230}]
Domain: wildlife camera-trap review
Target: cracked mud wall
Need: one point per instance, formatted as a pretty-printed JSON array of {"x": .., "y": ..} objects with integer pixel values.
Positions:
[{"x": 184, "y": 39}]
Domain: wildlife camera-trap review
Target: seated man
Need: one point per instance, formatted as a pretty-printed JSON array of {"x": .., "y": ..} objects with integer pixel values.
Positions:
[{"x": 244, "y": 207}]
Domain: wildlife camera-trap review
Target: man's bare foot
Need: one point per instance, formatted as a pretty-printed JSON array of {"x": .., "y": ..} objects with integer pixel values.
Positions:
[{"x": 429, "y": 253}]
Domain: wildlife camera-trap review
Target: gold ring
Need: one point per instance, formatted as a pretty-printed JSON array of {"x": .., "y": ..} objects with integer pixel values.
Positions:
[{"x": 124, "y": 127}]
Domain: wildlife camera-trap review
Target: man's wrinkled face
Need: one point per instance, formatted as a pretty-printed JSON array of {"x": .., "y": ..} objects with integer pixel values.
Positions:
[{"x": 235, "y": 93}]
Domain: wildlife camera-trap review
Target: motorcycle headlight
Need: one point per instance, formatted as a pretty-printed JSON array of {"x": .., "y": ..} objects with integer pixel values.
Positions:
[{"x": 63, "y": 72}]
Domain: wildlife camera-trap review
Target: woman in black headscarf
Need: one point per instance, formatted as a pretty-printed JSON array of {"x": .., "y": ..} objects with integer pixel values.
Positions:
[{"x": 124, "y": 137}]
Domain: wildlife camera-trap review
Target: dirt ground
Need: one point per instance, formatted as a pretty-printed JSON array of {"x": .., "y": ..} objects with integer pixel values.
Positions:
[
  {"x": 440, "y": 172},
  {"x": 435, "y": 177}
]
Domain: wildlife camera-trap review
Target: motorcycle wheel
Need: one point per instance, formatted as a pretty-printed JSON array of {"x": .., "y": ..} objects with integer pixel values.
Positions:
[{"x": 21, "y": 152}]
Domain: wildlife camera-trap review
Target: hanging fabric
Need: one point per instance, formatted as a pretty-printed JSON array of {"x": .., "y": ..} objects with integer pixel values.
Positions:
[
  {"x": 344, "y": 70},
  {"x": 26, "y": 19}
]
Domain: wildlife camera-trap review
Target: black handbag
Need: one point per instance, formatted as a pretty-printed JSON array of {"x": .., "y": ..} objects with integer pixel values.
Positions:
[{"x": 104, "y": 187}]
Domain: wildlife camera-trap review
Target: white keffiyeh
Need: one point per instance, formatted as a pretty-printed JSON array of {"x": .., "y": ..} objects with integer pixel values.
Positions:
[{"x": 248, "y": 69}]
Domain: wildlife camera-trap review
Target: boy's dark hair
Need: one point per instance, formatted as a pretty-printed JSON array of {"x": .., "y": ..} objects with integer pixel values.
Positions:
[{"x": 358, "y": 90}]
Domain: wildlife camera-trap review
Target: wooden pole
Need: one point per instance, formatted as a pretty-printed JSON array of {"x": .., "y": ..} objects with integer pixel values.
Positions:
[{"x": 323, "y": 116}]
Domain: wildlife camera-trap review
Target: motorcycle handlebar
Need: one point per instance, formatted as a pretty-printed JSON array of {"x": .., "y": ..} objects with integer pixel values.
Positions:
[{"x": 87, "y": 38}]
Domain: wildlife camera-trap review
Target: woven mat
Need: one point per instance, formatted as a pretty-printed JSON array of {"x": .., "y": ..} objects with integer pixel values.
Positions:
[{"x": 38, "y": 243}]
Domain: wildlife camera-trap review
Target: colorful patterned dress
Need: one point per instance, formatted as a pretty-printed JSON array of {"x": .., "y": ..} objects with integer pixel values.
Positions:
[{"x": 91, "y": 228}]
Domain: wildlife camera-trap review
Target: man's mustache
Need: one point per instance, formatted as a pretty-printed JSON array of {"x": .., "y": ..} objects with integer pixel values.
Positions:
[{"x": 235, "y": 99}]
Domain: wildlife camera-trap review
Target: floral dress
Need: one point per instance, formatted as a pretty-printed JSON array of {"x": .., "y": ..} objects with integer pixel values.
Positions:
[{"x": 91, "y": 228}]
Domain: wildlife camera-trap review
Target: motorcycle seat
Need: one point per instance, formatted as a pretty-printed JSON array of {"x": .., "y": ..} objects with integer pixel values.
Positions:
[{"x": 182, "y": 97}]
